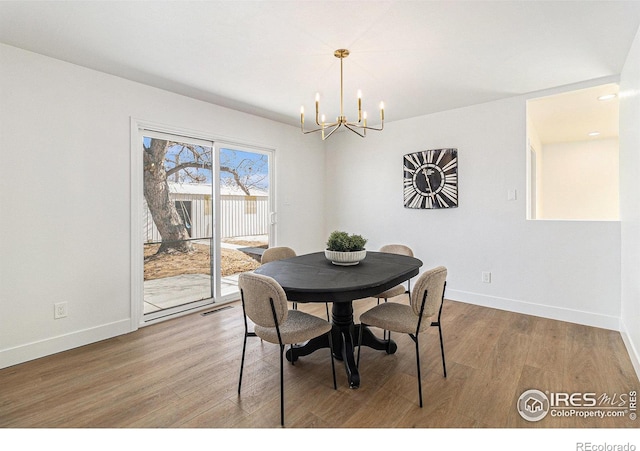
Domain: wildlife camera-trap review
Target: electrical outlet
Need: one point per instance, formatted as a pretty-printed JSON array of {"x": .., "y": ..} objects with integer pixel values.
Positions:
[
  {"x": 486, "y": 277},
  {"x": 60, "y": 310}
]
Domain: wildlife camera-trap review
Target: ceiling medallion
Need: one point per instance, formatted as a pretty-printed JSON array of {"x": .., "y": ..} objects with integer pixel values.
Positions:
[{"x": 327, "y": 129}]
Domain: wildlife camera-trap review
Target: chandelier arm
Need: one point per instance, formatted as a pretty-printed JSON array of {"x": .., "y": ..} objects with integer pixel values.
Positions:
[
  {"x": 331, "y": 132},
  {"x": 306, "y": 132},
  {"x": 374, "y": 128},
  {"x": 365, "y": 127},
  {"x": 351, "y": 127}
]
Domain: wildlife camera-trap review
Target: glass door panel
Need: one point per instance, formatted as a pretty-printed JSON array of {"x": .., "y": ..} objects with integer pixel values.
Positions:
[
  {"x": 177, "y": 224},
  {"x": 245, "y": 212}
]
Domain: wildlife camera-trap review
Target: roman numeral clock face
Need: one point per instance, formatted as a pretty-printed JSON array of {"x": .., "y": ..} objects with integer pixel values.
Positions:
[{"x": 431, "y": 179}]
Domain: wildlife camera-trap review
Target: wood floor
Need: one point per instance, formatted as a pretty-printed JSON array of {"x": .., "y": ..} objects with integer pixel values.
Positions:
[{"x": 183, "y": 373}]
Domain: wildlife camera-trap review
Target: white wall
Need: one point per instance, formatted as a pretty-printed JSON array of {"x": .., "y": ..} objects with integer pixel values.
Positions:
[
  {"x": 65, "y": 195},
  {"x": 66, "y": 171},
  {"x": 630, "y": 201},
  {"x": 568, "y": 270},
  {"x": 579, "y": 180}
]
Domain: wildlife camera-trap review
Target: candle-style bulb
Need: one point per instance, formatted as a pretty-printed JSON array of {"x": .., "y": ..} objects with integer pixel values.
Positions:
[{"x": 317, "y": 97}]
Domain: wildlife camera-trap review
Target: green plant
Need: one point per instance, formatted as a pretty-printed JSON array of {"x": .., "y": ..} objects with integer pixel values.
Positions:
[{"x": 343, "y": 242}]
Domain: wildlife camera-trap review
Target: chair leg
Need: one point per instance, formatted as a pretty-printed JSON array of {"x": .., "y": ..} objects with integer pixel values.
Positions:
[
  {"x": 333, "y": 365},
  {"x": 246, "y": 334},
  {"x": 418, "y": 365},
  {"x": 444, "y": 366},
  {"x": 282, "y": 385},
  {"x": 244, "y": 348},
  {"x": 439, "y": 324},
  {"x": 326, "y": 305}
]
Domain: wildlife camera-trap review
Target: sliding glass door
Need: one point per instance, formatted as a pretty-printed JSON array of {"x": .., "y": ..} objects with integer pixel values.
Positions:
[{"x": 206, "y": 217}]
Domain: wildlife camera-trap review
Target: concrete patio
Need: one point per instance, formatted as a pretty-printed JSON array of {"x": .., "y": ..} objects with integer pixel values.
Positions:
[
  {"x": 161, "y": 294},
  {"x": 168, "y": 292}
]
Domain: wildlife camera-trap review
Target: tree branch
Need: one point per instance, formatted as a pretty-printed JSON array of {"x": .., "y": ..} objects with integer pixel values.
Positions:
[{"x": 188, "y": 164}]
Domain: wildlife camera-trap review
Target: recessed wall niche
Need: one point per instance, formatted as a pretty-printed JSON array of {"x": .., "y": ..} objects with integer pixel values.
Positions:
[{"x": 572, "y": 155}]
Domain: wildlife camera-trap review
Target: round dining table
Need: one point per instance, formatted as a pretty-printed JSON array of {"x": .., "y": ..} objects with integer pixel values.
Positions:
[{"x": 313, "y": 278}]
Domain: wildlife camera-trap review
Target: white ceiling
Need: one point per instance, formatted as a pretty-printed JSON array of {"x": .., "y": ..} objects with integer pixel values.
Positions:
[{"x": 271, "y": 57}]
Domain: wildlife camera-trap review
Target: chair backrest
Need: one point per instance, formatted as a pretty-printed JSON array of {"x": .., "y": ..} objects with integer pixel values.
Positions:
[
  {"x": 397, "y": 249},
  {"x": 277, "y": 253},
  {"x": 431, "y": 281},
  {"x": 256, "y": 290}
]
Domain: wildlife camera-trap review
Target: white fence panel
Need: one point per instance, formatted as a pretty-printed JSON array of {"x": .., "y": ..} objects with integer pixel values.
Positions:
[
  {"x": 239, "y": 216},
  {"x": 244, "y": 216}
]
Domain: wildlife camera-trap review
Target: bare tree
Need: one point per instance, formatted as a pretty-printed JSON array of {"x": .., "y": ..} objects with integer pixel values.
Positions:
[
  {"x": 180, "y": 162},
  {"x": 175, "y": 237}
]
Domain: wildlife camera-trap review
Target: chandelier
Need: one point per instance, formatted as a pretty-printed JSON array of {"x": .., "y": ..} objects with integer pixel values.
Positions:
[{"x": 360, "y": 128}]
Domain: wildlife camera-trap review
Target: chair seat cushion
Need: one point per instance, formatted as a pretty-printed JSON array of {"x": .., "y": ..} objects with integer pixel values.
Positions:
[
  {"x": 298, "y": 328},
  {"x": 394, "y": 317},
  {"x": 391, "y": 292}
]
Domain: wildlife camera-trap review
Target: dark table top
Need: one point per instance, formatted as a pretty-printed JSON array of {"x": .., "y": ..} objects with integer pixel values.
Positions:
[{"x": 313, "y": 278}]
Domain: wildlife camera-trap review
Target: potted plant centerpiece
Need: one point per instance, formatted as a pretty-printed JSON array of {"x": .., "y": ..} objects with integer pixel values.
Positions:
[{"x": 344, "y": 249}]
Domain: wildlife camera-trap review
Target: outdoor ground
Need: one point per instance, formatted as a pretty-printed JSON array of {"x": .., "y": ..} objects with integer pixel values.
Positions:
[{"x": 197, "y": 262}]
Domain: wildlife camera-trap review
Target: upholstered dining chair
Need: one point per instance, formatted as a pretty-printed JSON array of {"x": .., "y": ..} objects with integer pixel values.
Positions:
[
  {"x": 398, "y": 290},
  {"x": 426, "y": 302},
  {"x": 265, "y": 303},
  {"x": 279, "y": 253}
]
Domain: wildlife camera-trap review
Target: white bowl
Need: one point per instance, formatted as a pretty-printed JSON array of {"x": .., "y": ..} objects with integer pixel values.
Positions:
[{"x": 345, "y": 258}]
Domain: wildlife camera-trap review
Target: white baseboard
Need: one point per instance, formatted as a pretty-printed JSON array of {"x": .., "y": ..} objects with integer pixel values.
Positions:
[
  {"x": 544, "y": 311},
  {"x": 634, "y": 355},
  {"x": 37, "y": 349}
]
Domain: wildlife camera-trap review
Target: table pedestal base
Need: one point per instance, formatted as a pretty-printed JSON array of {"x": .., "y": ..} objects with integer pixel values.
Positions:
[{"x": 345, "y": 339}]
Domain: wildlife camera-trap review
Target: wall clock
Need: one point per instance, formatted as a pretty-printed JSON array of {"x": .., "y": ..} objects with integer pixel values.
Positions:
[{"x": 431, "y": 179}]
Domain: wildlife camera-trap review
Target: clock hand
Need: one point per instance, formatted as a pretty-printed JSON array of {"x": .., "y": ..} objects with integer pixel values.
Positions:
[{"x": 426, "y": 177}]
